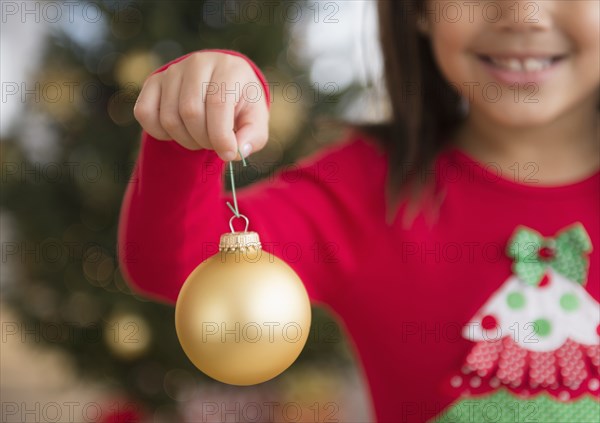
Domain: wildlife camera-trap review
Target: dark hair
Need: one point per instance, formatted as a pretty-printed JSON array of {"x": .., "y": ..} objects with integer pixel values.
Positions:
[{"x": 424, "y": 119}]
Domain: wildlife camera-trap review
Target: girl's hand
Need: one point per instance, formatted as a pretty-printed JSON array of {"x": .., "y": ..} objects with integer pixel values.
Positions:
[{"x": 200, "y": 102}]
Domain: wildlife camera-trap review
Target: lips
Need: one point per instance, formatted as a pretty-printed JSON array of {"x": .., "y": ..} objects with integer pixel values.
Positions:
[
  {"x": 521, "y": 68},
  {"x": 522, "y": 64}
]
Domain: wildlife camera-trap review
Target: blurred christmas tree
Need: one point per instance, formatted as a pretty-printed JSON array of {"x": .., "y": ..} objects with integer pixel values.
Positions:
[{"x": 65, "y": 201}]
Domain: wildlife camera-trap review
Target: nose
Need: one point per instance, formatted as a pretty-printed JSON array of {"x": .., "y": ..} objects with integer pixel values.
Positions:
[{"x": 521, "y": 16}]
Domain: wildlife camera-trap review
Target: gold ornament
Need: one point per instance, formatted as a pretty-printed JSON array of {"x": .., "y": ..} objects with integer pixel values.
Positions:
[{"x": 243, "y": 315}]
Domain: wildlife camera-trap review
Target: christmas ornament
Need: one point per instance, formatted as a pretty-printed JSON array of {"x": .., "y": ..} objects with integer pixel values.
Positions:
[
  {"x": 537, "y": 338},
  {"x": 243, "y": 315}
]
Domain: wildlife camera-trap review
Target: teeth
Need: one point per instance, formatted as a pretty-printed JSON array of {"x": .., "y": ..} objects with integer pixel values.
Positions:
[
  {"x": 532, "y": 65},
  {"x": 516, "y": 65}
]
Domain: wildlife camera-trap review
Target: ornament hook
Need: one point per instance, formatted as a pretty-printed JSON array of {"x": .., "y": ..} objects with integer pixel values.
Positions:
[
  {"x": 233, "y": 217},
  {"x": 234, "y": 209}
]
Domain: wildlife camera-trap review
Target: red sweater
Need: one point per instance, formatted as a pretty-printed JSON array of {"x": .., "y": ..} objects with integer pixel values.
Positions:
[{"x": 401, "y": 293}]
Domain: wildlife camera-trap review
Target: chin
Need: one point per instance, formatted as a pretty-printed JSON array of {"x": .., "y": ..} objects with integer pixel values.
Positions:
[{"x": 526, "y": 115}]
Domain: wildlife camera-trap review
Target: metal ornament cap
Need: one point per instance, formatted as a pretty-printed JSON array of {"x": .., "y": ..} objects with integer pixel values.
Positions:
[{"x": 239, "y": 241}]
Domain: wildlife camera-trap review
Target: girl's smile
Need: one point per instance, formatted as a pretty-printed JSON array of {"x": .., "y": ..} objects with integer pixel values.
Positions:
[{"x": 521, "y": 68}]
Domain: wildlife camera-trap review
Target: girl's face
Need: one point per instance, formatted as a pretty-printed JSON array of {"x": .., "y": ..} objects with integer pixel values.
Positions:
[{"x": 518, "y": 62}]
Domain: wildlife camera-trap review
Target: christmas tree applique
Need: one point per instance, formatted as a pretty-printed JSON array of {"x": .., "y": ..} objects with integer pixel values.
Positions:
[{"x": 536, "y": 353}]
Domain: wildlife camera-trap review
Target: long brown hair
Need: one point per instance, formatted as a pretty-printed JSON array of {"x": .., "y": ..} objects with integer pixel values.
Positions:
[{"x": 420, "y": 121}]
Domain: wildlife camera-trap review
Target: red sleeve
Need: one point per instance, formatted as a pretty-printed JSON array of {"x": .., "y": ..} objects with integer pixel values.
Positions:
[{"x": 174, "y": 212}]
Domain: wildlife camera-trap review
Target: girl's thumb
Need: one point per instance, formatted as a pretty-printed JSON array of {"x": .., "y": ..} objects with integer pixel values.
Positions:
[{"x": 251, "y": 137}]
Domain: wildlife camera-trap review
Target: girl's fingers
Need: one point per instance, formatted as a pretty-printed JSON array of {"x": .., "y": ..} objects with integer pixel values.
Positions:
[
  {"x": 252, "y": 125},
  {"x": 169, "y": 109},
  {"x": 146, "y": 109},
  {"x": 191, "y": 104},
  {"x": 200, "y": 103},
  {"x": 222, "y": 96}
]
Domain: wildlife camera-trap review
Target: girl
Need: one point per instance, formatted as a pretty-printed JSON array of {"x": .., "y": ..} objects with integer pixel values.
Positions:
[{"x": 458, "y": 243}]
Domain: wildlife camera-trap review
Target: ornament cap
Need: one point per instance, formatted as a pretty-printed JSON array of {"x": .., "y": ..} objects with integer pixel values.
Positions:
[{"x": 239, "y": 241}]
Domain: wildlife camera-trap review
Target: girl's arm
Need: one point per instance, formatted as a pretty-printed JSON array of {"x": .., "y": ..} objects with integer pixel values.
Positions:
[{"x": 174, "y": 212}]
